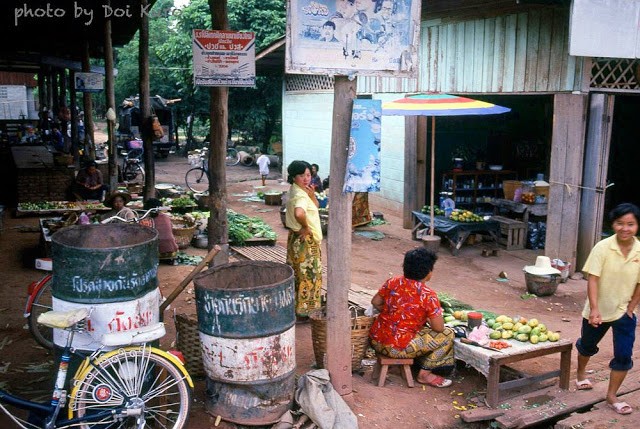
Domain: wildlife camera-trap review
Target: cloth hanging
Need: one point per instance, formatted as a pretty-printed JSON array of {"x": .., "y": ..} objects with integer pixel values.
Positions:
[{"x": 363, "y": 163}]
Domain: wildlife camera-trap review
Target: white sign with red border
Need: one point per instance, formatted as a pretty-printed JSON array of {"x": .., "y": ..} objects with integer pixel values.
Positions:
[{"x": 224, "y": 58}]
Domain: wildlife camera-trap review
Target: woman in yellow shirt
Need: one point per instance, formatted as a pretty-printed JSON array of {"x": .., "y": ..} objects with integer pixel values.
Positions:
[
  {"x": 613, "y": 292},
  {"x": 305, "y": 236}
]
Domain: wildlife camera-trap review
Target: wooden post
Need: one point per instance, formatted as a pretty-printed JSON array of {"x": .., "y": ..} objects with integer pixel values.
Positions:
[
  {"x": 596, "y": 162},
  {"x": 145, "y": 105},
  {"x": 565, "y": 175},
  {"x": 111, "y": 102},
  {"x": 339, "y": 241},
  {"x": 415, "y": 167},
  {"x": 218, "y": 227},
  {"x": 87, "y": 103}
]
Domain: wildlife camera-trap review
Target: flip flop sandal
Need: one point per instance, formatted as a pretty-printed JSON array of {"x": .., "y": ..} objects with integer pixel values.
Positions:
[
  {"x": 438, "y": 381},
  {"x": 584, "y": 384},
  {"x": 621, "y": 407}
]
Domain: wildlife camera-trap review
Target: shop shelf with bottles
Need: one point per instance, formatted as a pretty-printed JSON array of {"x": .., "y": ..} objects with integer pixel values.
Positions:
[{"x": 475, "y": 189}]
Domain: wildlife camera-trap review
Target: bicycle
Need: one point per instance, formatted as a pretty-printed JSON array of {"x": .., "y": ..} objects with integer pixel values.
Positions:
[
  {"x": 132, "y": 170},
  {"x": 197, "y": 178},
  {"x": 132, "y": 386},
  {"x": 39, "y": 299}
]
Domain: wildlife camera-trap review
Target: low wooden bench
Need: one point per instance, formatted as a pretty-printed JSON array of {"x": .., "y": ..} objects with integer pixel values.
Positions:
[{"x": 381, "y": 369}]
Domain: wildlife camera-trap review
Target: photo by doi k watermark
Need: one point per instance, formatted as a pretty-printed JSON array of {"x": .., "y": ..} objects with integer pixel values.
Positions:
[{"x": 28, "y": 14}]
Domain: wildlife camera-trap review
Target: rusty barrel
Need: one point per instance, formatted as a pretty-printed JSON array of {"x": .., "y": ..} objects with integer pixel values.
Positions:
[
  {"x": 246, "y": 322},
  {"x": 111, "y": 269}
]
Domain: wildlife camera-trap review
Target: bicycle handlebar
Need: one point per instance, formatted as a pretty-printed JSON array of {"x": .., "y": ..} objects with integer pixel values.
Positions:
[{"x": 136, "y": 219}]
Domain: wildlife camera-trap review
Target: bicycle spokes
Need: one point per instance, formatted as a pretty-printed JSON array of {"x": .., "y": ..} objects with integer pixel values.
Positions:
[{"x": 143, "y": 386}]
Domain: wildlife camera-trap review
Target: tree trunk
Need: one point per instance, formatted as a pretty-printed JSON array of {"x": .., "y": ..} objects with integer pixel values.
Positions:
[
  {"x": 219, "y": 116},
  {"x": 110, "y": 103},
  {"x": 145, "y": 106}
]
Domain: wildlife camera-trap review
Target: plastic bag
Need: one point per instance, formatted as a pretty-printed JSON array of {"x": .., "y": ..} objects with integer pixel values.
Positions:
[{"x": 156, "y": 127}]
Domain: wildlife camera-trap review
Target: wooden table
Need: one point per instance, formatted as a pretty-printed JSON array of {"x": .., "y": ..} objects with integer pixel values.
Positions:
[
  {"x": 490, "y": 362},
  {"x": 455, "y": 232}
]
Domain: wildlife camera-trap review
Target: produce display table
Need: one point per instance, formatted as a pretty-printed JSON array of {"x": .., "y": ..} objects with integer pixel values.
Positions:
[
  {"x": 489, "y": 363},
  {"x": 455, "y": 232}
]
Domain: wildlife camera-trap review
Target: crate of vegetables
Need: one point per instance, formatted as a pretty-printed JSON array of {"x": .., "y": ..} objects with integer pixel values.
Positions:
[{"x": 249, "y": 231}]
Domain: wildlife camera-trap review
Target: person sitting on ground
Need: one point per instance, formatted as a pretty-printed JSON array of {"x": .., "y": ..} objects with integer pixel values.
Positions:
[
  {"x": 316, "y": 181},
  {"x": 89, "y": 184},
  {"x": 411, "y": 322},
  {"x": 263, "y": 162},
  {"x": 57, "y": 139},
  {"x": 161, "y": 222},
  {"x": 118, "y": 202}
]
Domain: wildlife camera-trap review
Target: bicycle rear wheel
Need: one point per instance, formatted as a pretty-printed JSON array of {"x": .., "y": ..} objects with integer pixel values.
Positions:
[
  {"x": 233, "y": 157},
  {"x": 133, "y": 173},
  {"x": 197, "y": 180},
  {"x": 42, "y": 302},
  {"x": 133, "y": 380}
]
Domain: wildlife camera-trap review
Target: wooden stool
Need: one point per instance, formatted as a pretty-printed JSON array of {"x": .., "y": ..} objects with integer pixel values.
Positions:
[{"x": 382, "y": 367}]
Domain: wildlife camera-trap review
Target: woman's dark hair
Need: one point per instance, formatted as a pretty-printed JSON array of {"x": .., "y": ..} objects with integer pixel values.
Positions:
[
  {"x": 90, "y": 164},
  {"x": 418, "y": 263},
  {"x": 295, "y": 168},
  {"x": 624, "y": 209},
  {"x": 152, "y": 203}
]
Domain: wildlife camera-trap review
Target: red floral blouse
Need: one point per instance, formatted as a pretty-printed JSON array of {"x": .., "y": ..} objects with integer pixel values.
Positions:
[{"x": 407, "y": 306}]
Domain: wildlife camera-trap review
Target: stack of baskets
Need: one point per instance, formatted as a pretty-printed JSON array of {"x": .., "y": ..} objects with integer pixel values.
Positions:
[
  {"x": 183, "y": 231},
  {"x": 188, "y": 342},
  {"x": 360, "y": 325}
]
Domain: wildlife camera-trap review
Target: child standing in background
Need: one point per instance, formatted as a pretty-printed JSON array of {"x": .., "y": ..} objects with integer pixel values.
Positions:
[{"x": 263, "y": 162}]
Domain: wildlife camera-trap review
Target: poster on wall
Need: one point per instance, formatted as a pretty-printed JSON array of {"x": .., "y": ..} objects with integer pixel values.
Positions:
[
  {"x": 349, "y": 37},
  {"x": 224, "y": 58},
  {"x": 89, "y": 82},
  {"x": 363, "y": 162}
]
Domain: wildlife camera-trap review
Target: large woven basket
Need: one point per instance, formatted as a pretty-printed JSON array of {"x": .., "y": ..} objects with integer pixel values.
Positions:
[
  {"x": 360, "y": 325},
  {"x": 183, "y": 232},
  {"x": 188, "y": 342}
]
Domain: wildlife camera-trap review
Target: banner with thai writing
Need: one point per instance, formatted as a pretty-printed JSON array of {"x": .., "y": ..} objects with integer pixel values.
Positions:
[
  {"x": 224, "y": 58},
  {"x": 89, "y": 82},
  {"x": 363, "y": 163},
  {"x": 368, "y": 37}
]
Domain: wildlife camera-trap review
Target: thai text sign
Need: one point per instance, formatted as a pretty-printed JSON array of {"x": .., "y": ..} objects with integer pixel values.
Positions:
[
  {"x": 89, "y": 82},
  {"x": 368, "y": 37},
  {"x": 224, "y": 58}
]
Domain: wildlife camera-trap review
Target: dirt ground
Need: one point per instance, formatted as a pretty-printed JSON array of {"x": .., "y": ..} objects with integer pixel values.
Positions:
[{"x": 468, "y": 277}]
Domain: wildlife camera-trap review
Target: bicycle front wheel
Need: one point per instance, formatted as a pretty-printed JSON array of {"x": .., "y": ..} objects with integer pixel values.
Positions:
[
  {"x": 197, "y": 180},
  {"x": 233, "y": 157},
  {"x": 42, "y": 302},
  {"x": 133, "y": 387}
]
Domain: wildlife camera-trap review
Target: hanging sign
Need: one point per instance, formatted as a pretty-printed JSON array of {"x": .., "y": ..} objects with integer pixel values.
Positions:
[
  {"x": 224, "y": 58},
  {"x": 348, "y": 37},
  {"x": 89, "y": 82},
  {"x": 363, "y": 163}
]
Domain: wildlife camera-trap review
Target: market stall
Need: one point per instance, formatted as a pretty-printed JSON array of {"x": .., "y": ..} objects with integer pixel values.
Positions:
[
  {"x": 455, "y": 232},
  {"x": 38, "y": 176}
]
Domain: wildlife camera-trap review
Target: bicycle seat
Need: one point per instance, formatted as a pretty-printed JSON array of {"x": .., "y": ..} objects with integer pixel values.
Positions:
[
  {"x": 134, "y": 336},
  {"x": 44, "y": 264},
  {"x": 63, "y": 319}
]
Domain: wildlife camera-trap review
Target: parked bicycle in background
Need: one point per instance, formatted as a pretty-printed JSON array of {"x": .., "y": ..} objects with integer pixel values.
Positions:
[
  {"x": 132, "y": 169},
  {"x": 197, "y": 178}
]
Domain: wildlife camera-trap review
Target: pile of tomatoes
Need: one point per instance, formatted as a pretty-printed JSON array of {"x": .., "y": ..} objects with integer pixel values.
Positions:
[{"x": 499, "y": 345}]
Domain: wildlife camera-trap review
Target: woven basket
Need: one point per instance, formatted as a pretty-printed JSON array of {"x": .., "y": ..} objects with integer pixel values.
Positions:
[
  {"x": 188, "y": 342},
  {"x": 183, "y": 232},
  {"x": 360, "y": 325}
]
